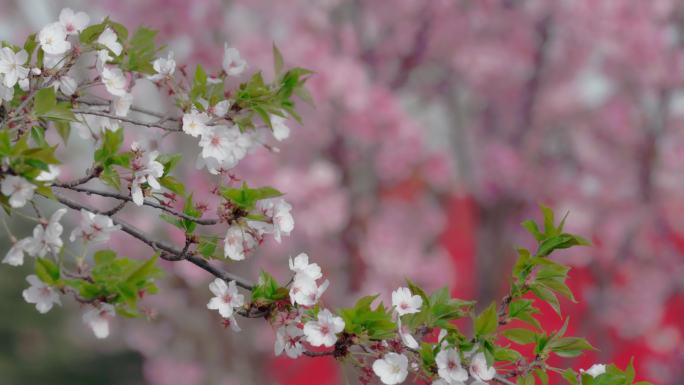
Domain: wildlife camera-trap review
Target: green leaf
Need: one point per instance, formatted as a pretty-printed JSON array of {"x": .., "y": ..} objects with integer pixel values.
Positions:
[
  {"x": 416, "y": 290},
  {"x": 569, "y": 346},
  {"x": 103, "y": 257},
  {"x": 267, "y": 290},
  {"x": 542, "y": 375},
  {"x": 142, "y": 51},
  {"x": 570, "y": 376},
  {"x": 546, "y": 295},
  {"x": 487, "y": 322},
  {"x": 44, "y": 101},
  {"x": 172, "y": 184},
  {"x": 520, "y": 336},
  {"x": 362, "y": 319},
  {"x": 526, "y": 380},
  {"x": 505, "y": 354},
  {"x": 47, "y": 271},
  {"x": 277, "y": 60},
  {"x": 246, "y": 197}
]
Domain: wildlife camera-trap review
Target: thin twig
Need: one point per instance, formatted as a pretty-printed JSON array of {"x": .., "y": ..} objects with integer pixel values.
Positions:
[
  {"x": 162, "y": 246},
  {"x": 121, "y": 197},
  {"x": 125, "y": 119}
]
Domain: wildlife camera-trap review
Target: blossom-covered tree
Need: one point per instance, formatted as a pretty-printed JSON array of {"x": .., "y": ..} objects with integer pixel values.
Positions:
[{"x": 228, "y": 119}]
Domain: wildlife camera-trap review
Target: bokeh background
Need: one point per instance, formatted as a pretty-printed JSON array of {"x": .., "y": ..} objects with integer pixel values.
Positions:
[{"x": 439, "y": 126}]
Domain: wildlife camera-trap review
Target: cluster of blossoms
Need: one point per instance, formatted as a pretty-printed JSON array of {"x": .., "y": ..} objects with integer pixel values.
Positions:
[{"x": 227, "y": 130}]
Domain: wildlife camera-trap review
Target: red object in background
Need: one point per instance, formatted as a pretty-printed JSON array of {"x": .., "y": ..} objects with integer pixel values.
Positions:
[
  {"x": 305, "y": 371},
  {"x": 459, "y": 239}
]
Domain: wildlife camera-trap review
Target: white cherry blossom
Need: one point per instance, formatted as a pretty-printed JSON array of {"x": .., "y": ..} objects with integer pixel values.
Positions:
[
  {"x": 232, "y": 323},
  {"x": 301, "y": 267},
  {"x": 18, "y": 189},
  {"x": 392, "y": 368},
  {"x": 109, "y": 39},
  {"x": 12, "y": 66},
  {"x": 280, "y": 130},
  {"x": 288, "y": 340},
  {"x": 73, "y": 22},
  {"x": 6, "y": 93},
  {"x": 404, "y": 302},
  {"x": 233, "y": 64},
  {"x": 449, "y": 366},
  {"x": 146, "y": 169},
  {"x": 97, "y": 318},
  {"x": 323, "y": 331},
  {"x": 94, "y": 228},
  {"x": 47, "y": 239},
  {"x": 121, "y": 105},
  {"x": 195, "y": 123},
  {"x": 52, "y": 39},
  {"x": 405, "y": 335},
  {"x": 66, "y": 84},
  {"x": 103, "y": 57},
  {"x": 50, "y": 175},
  {"x": 237, "y": 243},
  {"x": 226, "y": 299},
  {"x": 595, "y": 370},
  {"x": 165, "y": 67},
  {"x": 305, "y": 291},
  {"x": 479, "y": 369},
  {"x": 115, "y": 81},
  {"x": 15, "y": 255},
  {"x": 40, "y": 294},
  {"x": 220, "y": 109},
  {"x": 281, "y": 220}
]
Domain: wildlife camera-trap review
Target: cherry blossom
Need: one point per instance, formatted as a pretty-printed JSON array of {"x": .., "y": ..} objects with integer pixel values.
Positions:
[
  {"x": 47, "y": 238},
  {"x": 73, "y": 22},
  {"x": 165, "y": 67},
  {"x": 449, "y": 366},
  {"x": 479, "y": 368},
  {"x": 392, "y": 368},
  {"x": 40, "y": 294},
  {"x": 52, "y": 39},
  {"x": 146, "y": 169},
  {"x": 288, "y": 340},
  {"x": 18, "y": 189},
  {"x": 115, "y": 81},
  {"x": 94, "y": 228},
  {"x": 6, "y": 93},
  {"x": 323, "y": 331},
  {"x": 595, "y": 370},
  {"x": 11, "y": 66},
  {"x": 232, "y": 323},
  {"x": 237, "y": 243},
  {"x": 406, "y": 336},
  {"x": 97, "y": 318},
  {"x": 220, "y": 109},
  {"x": 66, "y": 84},
  {"x": 227, "y": 298},
  {"x": 15, "y": 255},
  {"x": 50, "y": 175},
  {"x": 281, "y": 220},
  {"x": 301, "y": 267},
  {"x": 404, "y": 302},
  {"x": 109, "y": 39},
  {"x": 121, "y": 105},
  {"x": 280, "y": 130},
  {"x": 195, "y": 123},
  {"x": 233, "y": 64},
  {"x": 305, "y": 291}
]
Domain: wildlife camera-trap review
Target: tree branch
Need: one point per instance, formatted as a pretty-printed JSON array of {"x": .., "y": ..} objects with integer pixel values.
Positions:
[
  {"x": 125, "y": 119},
  {"x": 126, "y": 198},
  {"x": 176, "y": 253}
]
